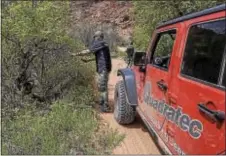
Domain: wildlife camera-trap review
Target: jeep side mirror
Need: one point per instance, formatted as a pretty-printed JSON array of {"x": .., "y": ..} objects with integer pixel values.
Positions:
[
  {"x": 139, "y": 58},
  {"x": 158, "y": 60}
]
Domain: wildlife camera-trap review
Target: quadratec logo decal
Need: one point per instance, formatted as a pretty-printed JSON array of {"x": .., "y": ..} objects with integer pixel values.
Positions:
[{"x": 193, "y": 126}]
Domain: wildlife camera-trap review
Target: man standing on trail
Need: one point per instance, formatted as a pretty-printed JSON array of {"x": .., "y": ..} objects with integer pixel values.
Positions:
[
  {"x": 129, "y": 52},
  {"x": 103, "y": 66}
]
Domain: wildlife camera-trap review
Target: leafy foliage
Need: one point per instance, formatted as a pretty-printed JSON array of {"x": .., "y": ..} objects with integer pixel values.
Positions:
[
  {"x": 49, "y": 21},
  {"x": 65, "y": 130},
  {"x": 46, "y": 93},
  {"x": 149, "y": 13},
  {"x": 35, "y": 52}
]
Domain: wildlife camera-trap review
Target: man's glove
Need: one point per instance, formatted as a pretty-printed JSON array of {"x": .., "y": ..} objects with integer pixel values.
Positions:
[
  {"x": 87, "y": 60},
  {"x": 84, "y": 52}
]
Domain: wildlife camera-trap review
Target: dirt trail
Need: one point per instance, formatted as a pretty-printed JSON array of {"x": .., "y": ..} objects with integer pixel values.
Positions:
[{"x": 137, "y": 138}]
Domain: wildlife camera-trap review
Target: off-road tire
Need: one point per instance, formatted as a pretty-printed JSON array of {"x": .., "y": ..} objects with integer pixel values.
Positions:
[{"x": 123, "y": 112}]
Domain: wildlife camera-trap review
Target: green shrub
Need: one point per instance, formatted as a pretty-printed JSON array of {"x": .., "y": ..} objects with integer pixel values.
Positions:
[
  {"x": 47, "y": 95},
  {"x": 62, "y": 131},
  {"x": 36, "y": 62}
]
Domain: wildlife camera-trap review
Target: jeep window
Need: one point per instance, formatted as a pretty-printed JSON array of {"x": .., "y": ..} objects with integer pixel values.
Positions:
[
  {"x": 204, "y": 51},
  {"x": 223, "y": 70},
  {"x": 163, "y": 49},
  {"x": 224, "y": 79}
]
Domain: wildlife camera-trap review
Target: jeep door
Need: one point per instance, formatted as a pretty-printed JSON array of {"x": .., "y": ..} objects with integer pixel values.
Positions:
[
  {"x": 156, "y": 79},
  {"x": 199, "y": 87}
]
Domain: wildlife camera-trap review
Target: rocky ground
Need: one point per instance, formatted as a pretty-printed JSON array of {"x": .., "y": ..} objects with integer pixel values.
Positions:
[{"x": 113, "y": 13}]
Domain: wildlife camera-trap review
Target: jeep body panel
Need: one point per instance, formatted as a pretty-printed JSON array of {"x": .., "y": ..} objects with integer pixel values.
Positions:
[
  {"x": 174, "y": 113},
  {"x": 151, "y": 93},
  {"x": 187, "y": 94}
]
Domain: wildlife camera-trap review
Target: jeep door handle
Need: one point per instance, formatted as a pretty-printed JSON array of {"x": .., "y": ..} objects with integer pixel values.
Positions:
[
  {"x": 215, "y": 115},
  {"x": 161, "y": 85}
]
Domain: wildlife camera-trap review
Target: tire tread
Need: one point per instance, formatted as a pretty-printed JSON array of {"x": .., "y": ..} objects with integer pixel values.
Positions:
[{"x": 125, "y": 114}]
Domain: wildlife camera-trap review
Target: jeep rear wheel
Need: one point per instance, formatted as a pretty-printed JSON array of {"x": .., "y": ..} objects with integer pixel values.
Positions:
[{"x": 123, "y": 112}]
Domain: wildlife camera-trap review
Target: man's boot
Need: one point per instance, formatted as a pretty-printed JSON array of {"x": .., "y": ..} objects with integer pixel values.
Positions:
[{"x": 105, "y": 108}]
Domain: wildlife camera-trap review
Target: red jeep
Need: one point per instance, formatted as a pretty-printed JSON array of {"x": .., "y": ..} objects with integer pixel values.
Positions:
[{"x": 178, "y": 85}]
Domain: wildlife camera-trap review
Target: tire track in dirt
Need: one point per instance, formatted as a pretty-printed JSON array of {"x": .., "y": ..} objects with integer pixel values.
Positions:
[{"x": 137, "y": 138}]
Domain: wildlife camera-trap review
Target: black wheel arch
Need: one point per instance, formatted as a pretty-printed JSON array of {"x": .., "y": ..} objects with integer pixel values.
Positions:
[{"x": 129, "y": 80}]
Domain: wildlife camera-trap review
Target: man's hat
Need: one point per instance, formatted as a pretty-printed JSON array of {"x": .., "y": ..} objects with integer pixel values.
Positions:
[{"x": 98, "y": 34}]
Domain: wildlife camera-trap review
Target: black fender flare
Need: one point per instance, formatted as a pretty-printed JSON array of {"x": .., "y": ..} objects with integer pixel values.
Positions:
[{"x": 130, "y": 85}]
